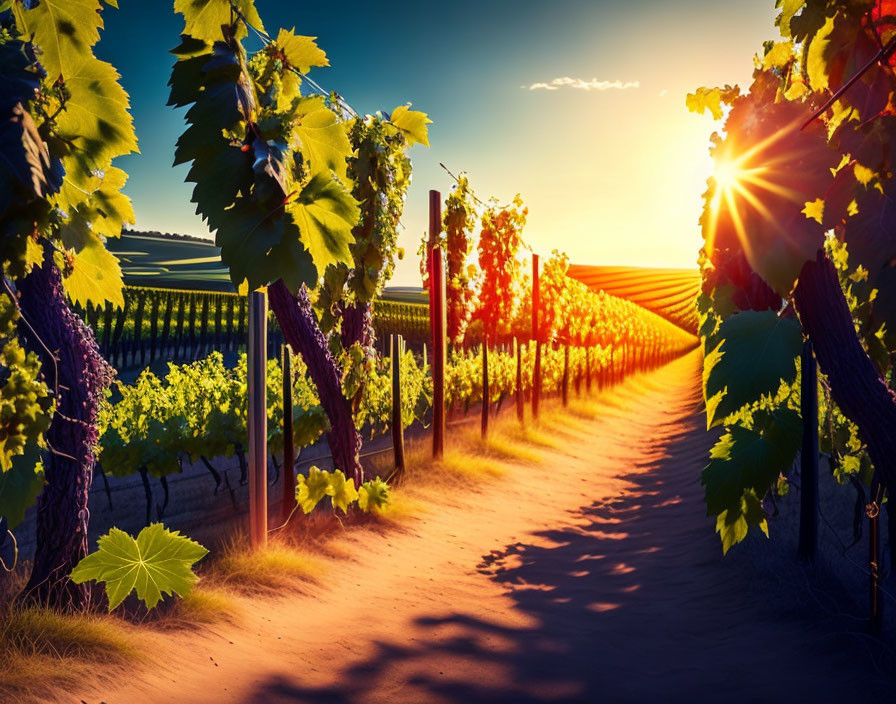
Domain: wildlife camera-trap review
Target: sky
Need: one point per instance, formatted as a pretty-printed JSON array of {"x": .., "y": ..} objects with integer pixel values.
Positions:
[{"x": 577, "y": 105}]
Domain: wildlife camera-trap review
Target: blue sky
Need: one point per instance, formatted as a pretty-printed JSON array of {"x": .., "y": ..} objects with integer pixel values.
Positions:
[{"x": 612, "y": 172}]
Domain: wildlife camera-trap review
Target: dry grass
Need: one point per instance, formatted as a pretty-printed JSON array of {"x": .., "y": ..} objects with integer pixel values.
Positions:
[
  {"x": 468, "y": 465},
  {"x": 42, "y": 649},
  {"x": 278, "y": 566},
  {"x": 203, "y": 606}
]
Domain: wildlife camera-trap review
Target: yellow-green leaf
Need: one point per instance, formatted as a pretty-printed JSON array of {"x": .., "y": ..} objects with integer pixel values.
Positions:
[
  {"x": 158, "y": 562},
  {"x": 412, "y": 123},
  {"x": 341, "y": 490},
  {"x": 96, "y": 275},
  {"x": 301, "y": 53}
]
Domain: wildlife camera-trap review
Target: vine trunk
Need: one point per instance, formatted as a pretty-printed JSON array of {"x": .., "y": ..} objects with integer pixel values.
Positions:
[
  {"x": 300, "y": 330},
  {"x": 856, "y": 385},
  {"x": 73, "y": 366}
]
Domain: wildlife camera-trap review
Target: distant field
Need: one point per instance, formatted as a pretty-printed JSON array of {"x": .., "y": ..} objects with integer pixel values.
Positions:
[
  {"x": 670, "y": 293},
  {"x": 193, "y": 264}
]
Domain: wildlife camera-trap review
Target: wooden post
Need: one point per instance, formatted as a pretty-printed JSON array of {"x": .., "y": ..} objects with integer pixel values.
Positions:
[
  {"x": 439, "y": 350},
  {"x": 808, "y": 541},
  {"x": 588, "y": 369},
  {"x": 536, "y": 303},
  {"x": 289, "y": 450},
  {"x": 565, "y": 390},
  {"x": 520, "y": 403},
  {"x": 258, "y": 419},
  {"x": 397, "y": 345},
  {"x": 435, "y": 230},
  {"x": 485, "y": 389},
  {"x": 875, "y": 602},
  {"x": 876, "y": 615}
]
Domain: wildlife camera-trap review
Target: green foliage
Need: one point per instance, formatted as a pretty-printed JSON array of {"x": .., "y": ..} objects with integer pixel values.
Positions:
[
  {"x": 75, "y": 121},
  {"x": 26, "y": 406},
  {"x": 157, "y": 562},
  {"x": 750, "y": 458},
  {"x": 268, "y": 162},
  {"x": 20, "y": 485},
  {"x": 758, "y": 352},
  {"x": 711, "y": 99},
  {"x": 373, "y": 494},
  {"x": 787, "y": 175},
  {"x": 311, "y": 489}
]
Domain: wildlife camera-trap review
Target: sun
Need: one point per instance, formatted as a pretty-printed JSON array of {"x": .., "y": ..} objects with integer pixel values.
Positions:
[{"x": 727, "y": 175}]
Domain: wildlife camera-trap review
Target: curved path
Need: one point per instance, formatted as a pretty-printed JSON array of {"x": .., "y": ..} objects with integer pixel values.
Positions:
[{"x": 593, "y": 576}]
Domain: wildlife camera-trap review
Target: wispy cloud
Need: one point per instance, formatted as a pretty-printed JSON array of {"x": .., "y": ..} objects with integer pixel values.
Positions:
[{"x": 582, "y": 84}]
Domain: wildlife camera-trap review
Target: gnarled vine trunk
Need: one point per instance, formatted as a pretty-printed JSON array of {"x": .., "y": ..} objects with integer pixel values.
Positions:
[
  {"x": 80, "y": 375},
  {"x": 856, "y": 385},
  {"x": 301, "y": 332},
  {"x": 357, "y": 324}
]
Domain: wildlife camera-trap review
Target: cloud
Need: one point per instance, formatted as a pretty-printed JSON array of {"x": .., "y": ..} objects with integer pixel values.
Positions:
[{"x": 582, "y": 84}]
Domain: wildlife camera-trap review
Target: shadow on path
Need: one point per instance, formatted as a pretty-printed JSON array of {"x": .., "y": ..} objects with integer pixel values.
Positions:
[{"x": 633, "y": 603}]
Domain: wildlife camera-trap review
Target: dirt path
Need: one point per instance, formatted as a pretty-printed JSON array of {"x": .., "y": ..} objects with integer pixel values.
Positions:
[{"x": 592, "y": 577}]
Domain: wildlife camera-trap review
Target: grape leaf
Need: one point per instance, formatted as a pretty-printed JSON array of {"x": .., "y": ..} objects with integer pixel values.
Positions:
[
  {"x": 711, "y": 99},
  {"x": 373, "y": 494},
  {"x": 758, "y": 351},
  {"x": 341, "y": 491},
  {"x": 245, "y": 236},
  {"x": 26, "y": 170},
  {"x": 203, "y": 18},
  {"x": 412, "y": 123},
  {"x": 63, "y": 29},
  {"x": 96, "y": 118},
  {"x": 302, "y": 53},
  {"x": 325, "y": 215},
  {"x": 158, "y": 562},
  {"x": 324, "y": 143},
  {"x": 750, "y": 459},
  {"x": 96, "y": 275},
  {"x": 311, "y": 489},
  {"x": 789, "y": 8},
  {"x": 20, "y": 486}
]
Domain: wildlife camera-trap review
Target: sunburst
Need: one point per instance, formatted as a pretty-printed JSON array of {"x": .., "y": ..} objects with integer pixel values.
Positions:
[{"x": 747, "y": 179}]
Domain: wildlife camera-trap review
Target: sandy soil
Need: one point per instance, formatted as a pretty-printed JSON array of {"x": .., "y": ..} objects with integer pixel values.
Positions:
[{"x": 593, "y": 576}]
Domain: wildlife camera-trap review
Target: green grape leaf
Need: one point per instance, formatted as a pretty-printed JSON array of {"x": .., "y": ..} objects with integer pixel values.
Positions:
[
  {"x": 758, "y": 351},
  {"x": 110, "y": 208},
  {"x": 302, "y": 53},
  {"x": 412, "y": 123},
  {"x": 373, "y": 494},
  {"x": 64, "y": 30},
  {"x": 324, "y": 143},
  {"x": 20, "y": 486},
  {"x": 294, "y": 264},
  {"x": 789, "y": 8},
  {"x": 96, "y": 275},
  {"x": 158, "y": 562},
  {"x": 325, "y": 215},
  {"x": 750, "y": 459},
  {"x": 245, "y": 236},
  {"x": 203, "y": 18},
  {"x": 311, "y": 489},
  {"x": 96, "y": 118},
  {"x": 341, "y": 490}
]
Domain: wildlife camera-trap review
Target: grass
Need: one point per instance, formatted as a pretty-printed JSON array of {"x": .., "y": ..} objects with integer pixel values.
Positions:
[
  {"x": 41, "y": 649},
  {"x": 203, "y": 606},
  {"x": 468, "y": 465},
  {"x": 280, "y": 565}
]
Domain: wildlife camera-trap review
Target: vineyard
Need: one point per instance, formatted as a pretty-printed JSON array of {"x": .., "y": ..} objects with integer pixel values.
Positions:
[{"x": 279, "y": 464}]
